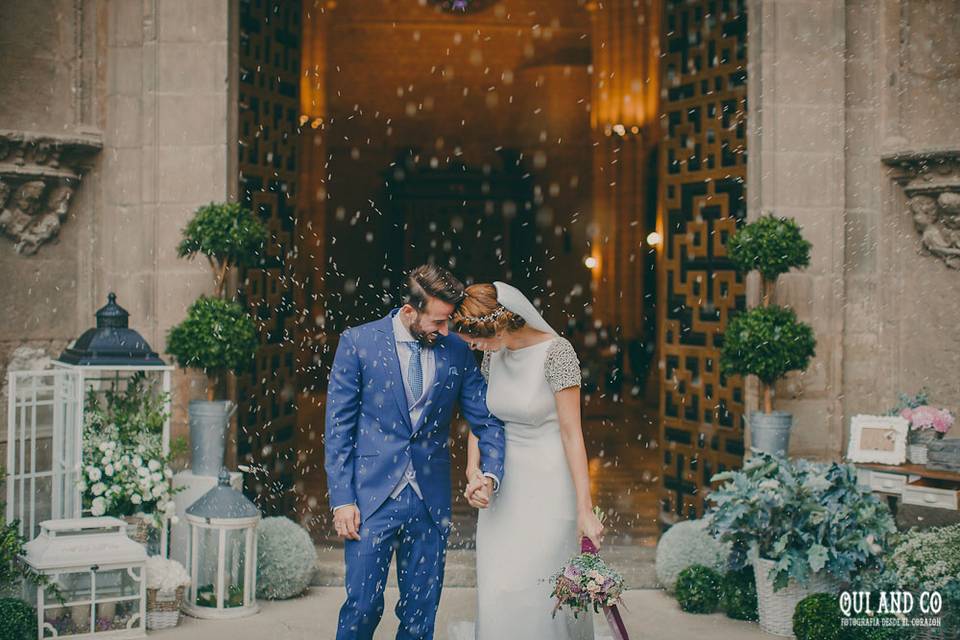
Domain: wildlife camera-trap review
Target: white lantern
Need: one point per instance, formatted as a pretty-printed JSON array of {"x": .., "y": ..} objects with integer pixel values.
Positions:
[
  {"x": 222, "y": 556},
  {"x": 100, "y": 574},
  {"x": 45, "y": 415}
]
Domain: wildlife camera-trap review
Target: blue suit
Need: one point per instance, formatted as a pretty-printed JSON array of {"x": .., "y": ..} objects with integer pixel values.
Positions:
[{"x": 369, "y": 442}]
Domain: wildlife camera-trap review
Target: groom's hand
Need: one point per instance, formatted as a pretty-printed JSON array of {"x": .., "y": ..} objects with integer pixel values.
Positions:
[
  {"x": 346, "y": 521},
  {"x": 478, "y": 491}
]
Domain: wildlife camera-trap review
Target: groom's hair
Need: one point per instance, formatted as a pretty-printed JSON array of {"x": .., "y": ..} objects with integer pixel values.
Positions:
[{"x": 430, "y": 281}]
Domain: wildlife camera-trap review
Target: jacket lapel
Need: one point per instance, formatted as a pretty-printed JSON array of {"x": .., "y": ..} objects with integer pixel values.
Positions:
[
  {"x": 388, "y": 347},
  {"x": 442, "y": 359}
]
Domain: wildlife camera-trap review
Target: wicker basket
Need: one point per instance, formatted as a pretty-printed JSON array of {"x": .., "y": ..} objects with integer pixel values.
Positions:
[
  {"x": 138, "y": 528},
  {"x": 776, "y": 607},
  {"x": 163, "y": 609}
]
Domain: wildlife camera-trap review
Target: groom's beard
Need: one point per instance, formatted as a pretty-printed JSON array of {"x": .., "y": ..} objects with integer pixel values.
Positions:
[{"x": 425, "y": 339}]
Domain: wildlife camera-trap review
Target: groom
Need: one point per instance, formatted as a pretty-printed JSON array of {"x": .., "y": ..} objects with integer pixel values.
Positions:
[{"x": 392, "y": 390}]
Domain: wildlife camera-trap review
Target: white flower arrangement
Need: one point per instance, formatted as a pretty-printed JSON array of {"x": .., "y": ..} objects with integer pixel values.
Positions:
[
  {"x": 165, "y": 575},
  {"x": 125, "y": 478}
]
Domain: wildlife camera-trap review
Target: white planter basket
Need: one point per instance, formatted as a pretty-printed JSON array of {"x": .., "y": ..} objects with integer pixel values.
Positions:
[
  {"x": 163, "y": 609},
  {"x": 776, "y": 607}
]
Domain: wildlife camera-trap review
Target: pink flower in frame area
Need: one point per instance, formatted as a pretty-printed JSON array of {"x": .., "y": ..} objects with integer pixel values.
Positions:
[{"x": 927, "y": 417}]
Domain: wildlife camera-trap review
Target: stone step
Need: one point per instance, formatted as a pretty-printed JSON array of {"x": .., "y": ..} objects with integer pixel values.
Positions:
[{"x": 635, "y": 563}]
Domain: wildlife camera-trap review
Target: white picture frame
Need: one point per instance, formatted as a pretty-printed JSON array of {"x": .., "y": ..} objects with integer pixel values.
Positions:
[{"x": 878, "y": 439}]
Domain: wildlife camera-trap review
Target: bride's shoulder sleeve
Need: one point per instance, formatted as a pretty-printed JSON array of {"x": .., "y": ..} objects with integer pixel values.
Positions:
[
  {"x": 562, "y": 366},
  {"x": 485, "y": 366}
]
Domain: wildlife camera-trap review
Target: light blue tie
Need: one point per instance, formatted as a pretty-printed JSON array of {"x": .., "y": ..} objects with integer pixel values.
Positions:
[{"x": 415, "y": 371}]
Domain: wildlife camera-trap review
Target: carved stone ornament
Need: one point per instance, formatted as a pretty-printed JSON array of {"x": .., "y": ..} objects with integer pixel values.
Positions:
[
  {"x": 38, "y": 176},
  {"x": 931, "y": 182}
]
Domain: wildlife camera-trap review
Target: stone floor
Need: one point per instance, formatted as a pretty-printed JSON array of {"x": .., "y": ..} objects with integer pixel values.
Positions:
[{"x": 649, "y": 614}]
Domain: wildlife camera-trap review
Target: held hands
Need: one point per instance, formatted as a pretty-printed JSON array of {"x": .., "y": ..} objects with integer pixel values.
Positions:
[
  {"x": 346, "y": 521},
  {"x": 479, "y": 490},
  {"x": 589, "y": 525}
]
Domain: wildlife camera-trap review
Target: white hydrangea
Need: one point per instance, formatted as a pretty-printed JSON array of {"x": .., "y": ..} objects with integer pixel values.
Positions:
[
  {"x": 99, "y": 507},
  {"x": 154, "y": 465},
  {"x": 98, "y": 489}
]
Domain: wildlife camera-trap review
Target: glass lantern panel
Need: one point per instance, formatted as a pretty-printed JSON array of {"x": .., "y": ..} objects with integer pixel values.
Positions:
[
  {"x": 75, "y": 587},
  {"x": 208, "y": 547},
  {"x": 234, "y": 567},
  {"x": 118, "y": 583},
  {"x": 114, "y": 616},
  {"x": 67, "y": 621}
]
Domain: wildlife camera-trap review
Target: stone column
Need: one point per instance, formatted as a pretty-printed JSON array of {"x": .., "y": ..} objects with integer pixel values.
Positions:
[
  {"x": 796, "y": 92},
  {"x": 624, "y": 127}
]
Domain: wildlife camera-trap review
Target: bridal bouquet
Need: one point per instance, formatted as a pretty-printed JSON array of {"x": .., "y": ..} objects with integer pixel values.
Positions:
[{"x": 587, "y": 584}]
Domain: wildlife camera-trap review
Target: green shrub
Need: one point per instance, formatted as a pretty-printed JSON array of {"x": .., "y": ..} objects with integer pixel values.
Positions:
[
  {"x": 928, "y": 559},
  {"x": 216, "y": 336},
  {"x": 698, "y": 589},
  {"x": 228, "y": 234},
  {"x": 950, "y": 613},
  {"x": 817, "y": 617},
  {"x": 286, "y": 559},
  {"x": 685, "y": 544},
  {"x": 767, "y": 342},
  {"x": 738, "y": 594},
  {"x": 769, "y": 245},
  {"x": 18, "y": 620}
]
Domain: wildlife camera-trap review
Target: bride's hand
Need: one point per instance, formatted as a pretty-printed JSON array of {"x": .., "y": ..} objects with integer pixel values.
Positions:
[
  {"x": 590, "y": 526},
  {"x": 478, "y": 491}
]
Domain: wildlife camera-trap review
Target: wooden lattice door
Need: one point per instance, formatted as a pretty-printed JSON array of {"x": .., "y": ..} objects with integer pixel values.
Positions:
[
  {"x": 702, "y": 172},
  {"x": 268, "y": 101}
]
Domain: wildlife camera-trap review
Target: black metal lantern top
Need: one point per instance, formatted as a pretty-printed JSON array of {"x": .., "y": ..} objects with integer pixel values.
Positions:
[{"x": 112, "y": 343}]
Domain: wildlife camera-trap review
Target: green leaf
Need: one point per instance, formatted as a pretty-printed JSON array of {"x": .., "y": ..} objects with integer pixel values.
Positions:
[{"x": 817, "y": 557}]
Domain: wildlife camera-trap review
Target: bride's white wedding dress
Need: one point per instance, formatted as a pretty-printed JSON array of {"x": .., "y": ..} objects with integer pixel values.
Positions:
[{"x": 530, "y": 528}]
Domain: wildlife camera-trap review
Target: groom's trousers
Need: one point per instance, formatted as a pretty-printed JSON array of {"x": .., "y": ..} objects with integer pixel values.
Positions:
[{"x": 404, "y": 526}]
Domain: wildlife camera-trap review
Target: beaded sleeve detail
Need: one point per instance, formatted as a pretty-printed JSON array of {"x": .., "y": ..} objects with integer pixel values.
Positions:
[
  {"x": 485, "y": 366},
  {"x": 562, "y": 367}
]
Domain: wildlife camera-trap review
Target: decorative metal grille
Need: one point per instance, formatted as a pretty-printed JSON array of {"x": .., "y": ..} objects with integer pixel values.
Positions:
[
  {"x": 702, "y": 176},
  {"x": 269, "y": 111}
]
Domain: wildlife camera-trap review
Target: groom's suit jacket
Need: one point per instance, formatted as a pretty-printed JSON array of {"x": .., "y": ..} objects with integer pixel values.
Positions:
[{"x": 369, "y": 438}]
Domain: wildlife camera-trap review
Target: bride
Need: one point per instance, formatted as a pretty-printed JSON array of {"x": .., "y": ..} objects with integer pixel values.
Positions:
[{"x": 532, "y": 524}]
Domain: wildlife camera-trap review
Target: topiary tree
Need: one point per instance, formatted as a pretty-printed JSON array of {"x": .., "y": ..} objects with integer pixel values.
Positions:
[
  {"x": 771, "y": 246},
  {"x": 217, "y": 336},
  {"x": 228, "y": 234},
  {"x": 286, "y": 559},
  {"x": 698, "y": 589},
  {"x": 684, "y": 544},
  {"x": 738, "y": 595},
  {"x": 18, "y": 620},
  {"x": 817, "y": 617},
  {"x": 767, "y": 341}
]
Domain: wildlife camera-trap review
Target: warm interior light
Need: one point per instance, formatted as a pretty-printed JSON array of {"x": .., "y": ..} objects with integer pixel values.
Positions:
[
  {"x": 653, "y": 239},
  {"x": 590, "y": 262}
]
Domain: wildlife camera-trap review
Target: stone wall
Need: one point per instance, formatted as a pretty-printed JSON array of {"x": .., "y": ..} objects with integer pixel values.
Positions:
[
  {"x": 147, "y": 81},
  {"x": 836, "y": 87}
]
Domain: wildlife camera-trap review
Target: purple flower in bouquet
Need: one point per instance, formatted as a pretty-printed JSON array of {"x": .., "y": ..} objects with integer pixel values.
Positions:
[{"x": 586, "y": 583}]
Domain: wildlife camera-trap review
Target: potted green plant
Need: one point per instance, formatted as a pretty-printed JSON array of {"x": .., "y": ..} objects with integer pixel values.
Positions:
[
  {"x": 806, "y": 527},
  {"x": 768, "y": 341},
  {"x": 218, "y": 336}
]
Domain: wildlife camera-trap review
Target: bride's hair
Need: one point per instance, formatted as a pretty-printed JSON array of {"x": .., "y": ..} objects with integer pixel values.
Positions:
[{"x": 481, "y": 316}]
